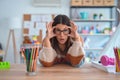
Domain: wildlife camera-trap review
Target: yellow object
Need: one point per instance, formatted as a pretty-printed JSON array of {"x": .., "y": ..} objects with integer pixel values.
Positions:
[{"x": 34, "y": 38}]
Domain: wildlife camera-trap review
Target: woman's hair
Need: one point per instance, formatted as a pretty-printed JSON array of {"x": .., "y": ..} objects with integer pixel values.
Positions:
[{"x": 61, "y": 19}]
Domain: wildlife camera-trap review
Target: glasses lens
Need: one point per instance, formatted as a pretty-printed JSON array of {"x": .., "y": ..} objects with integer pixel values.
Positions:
[
  {"x": 66, "y": 31},
  {"x": 57, "y": 31}
]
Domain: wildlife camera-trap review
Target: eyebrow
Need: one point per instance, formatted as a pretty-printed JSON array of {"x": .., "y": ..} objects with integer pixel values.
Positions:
[{"x": 62, "y": 29}]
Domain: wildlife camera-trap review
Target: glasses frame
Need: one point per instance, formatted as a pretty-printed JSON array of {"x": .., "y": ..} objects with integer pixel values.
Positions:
[{"x": 58, "y": 31}]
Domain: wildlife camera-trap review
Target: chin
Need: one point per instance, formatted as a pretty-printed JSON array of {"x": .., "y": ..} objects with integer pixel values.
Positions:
[{"x": 61, "y": 42}]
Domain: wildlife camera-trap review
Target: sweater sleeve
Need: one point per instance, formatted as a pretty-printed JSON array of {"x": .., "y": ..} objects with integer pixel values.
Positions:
[
  {"x": 76, "y": 53},
  {"x": 76, "y": 49},
  {"x": 47, "y": 54}
]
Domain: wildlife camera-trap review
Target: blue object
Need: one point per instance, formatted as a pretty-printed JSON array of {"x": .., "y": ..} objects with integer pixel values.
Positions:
[{"x": 84, "y": 15}]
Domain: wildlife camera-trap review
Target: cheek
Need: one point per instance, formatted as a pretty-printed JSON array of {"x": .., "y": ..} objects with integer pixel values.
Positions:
[
  {"x": 65, "y": 38},
  {"x": 59, "y": 36}
]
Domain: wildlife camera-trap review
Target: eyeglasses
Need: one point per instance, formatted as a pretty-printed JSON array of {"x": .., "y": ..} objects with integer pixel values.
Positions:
[{"x": 65, "y": 31}]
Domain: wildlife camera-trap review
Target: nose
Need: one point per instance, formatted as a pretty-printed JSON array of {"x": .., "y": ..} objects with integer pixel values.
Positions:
[{"x": 61, "y": 34}]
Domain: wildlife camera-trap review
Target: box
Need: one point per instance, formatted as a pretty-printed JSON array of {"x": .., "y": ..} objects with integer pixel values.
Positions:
[
  {"x": 87, "y": 2},
  {"x": 76, "y": 2},
  {"x": 98, "y": 2},
  {"x": 109, "y": 2}
]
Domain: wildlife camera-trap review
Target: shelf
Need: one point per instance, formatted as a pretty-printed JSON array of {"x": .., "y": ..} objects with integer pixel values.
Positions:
[
  {"x": 93, "y": 48},
  {"x": 93, "y": 20},
  {"x": 93, "y": 6},
  {"x": 95, "y": 34},
  {"x": 108, "y": 20}
]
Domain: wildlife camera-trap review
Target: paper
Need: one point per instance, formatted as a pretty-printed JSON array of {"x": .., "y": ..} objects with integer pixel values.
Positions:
[
  {"x": 36, "y": 18},
  {"x": 40, "y": 25},
  {"x": 28, "y": 24},
  {"x": 46, "y": 18},
  {"x": 33, "y": 31}
]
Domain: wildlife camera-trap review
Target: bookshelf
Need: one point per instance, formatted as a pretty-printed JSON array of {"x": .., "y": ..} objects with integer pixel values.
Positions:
[{"x": 83, "y": 12}]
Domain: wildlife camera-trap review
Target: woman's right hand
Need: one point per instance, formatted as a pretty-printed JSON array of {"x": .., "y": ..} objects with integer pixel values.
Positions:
[{"x": 50, "y": 29}]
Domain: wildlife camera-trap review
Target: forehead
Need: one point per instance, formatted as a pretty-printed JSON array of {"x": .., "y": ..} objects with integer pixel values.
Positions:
[{"x": 61, "y": 26}]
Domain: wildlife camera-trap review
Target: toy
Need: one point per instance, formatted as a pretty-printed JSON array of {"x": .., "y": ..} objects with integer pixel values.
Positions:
[
  {"x": 105, "y": 60},
  {"x": 4, "y": 65},
  {"x": 95, "y": 16},
  {"x": 26, "y": 40},
  {"x": 35, "y": 41},
  {"x": 100, "y": 16},
  {"x": 106, "y": 30},
  {"x": 85, "y": 30}
]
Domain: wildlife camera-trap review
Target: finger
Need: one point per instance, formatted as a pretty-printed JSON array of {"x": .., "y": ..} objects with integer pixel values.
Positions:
[
  {"x": 54, "y": 35},
  {"x": 50, "y": 24},
  {"x": 47, "y": 25},
  {"x": 53, "y": 28},
  {"x": 71, "y": 28},
  {"x": 74, "y": 26},
  {"x": 72, "y": 23},
  {"x": 70, "y": 35}
]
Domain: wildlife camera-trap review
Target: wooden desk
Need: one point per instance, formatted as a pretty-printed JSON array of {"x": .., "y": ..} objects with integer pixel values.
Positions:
[{"x": 58, "y": 72}]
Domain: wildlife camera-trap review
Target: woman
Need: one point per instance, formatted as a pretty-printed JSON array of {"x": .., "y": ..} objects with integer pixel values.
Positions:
[{"x": 62, "y": 43}]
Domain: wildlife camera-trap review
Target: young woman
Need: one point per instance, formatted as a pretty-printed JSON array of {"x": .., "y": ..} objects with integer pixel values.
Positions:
[{"x": 62, "y": 43}]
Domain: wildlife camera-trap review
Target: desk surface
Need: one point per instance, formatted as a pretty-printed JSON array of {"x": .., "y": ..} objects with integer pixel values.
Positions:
[{"x": 57, "y": 72}]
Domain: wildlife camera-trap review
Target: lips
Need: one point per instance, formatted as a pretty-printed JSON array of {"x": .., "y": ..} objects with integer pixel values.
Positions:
[{"x": 62, "y": 40}]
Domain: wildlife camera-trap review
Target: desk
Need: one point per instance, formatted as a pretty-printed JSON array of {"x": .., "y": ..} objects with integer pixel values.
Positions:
[{"x": 58, "y": 72}]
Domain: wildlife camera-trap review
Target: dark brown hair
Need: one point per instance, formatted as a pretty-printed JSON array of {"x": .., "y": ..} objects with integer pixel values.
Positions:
[{"x": 61, "y": 19}]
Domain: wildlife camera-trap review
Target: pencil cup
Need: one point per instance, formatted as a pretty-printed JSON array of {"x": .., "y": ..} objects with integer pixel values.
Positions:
[
  {"x": 30, "y": 54},
  {"x": 31, "y": 66},
  {"x": 117, "y": 57}
]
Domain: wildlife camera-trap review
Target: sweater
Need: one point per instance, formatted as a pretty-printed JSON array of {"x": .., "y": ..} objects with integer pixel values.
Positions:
[{"x": 74, "y": 56}]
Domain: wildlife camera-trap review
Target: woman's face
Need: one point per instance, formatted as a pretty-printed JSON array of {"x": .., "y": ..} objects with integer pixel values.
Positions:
[{"x": 61, "y": 32}]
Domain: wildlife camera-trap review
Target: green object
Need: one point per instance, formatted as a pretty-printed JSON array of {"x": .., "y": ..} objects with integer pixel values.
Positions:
[{"x": 4, "y": 65}]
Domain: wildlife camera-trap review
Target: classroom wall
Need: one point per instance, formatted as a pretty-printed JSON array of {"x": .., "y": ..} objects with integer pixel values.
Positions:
[{"x": 16, "y": 8}]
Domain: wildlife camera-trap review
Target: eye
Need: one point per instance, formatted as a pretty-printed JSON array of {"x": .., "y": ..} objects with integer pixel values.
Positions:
[
  {"x": 58, "y": 30},
  {"x": 66, "y": 31}
]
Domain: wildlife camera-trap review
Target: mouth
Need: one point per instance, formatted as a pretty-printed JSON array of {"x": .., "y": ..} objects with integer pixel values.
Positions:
[{"x": 62, "y": 40}]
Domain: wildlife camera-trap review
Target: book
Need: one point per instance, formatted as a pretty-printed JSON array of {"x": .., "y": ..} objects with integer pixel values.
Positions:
[{"x": 109, "y": 69}]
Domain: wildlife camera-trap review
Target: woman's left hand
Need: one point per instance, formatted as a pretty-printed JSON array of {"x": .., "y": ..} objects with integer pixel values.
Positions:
[{"x": 74, "y": 34}]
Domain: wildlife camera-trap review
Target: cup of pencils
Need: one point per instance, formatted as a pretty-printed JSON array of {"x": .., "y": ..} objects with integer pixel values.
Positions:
[
  {"x": 30, "y": 54},
  {"x": 117, "y": 56}
]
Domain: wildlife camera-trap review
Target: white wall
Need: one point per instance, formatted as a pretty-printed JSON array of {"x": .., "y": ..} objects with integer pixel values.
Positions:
[{"x": 16, "y": 8}]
